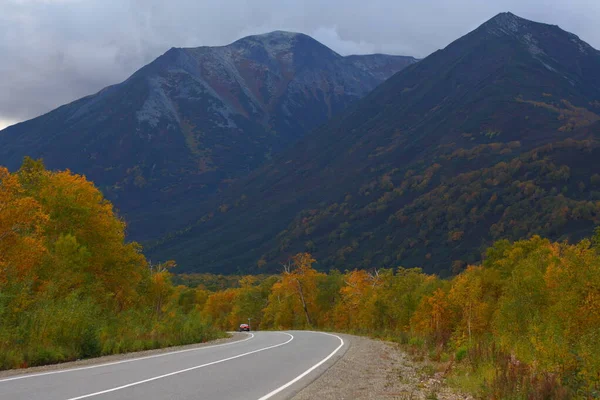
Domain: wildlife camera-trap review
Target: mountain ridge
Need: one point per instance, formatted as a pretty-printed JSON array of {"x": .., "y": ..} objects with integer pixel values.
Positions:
[
  {"x": 192, "y": 121},
  {"x": 381, "y": 184}
]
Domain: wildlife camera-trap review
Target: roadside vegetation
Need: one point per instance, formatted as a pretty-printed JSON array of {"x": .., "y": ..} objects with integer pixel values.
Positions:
[
  {"x": 70, "y": 286},
  {"x": 525, "y": 324}
]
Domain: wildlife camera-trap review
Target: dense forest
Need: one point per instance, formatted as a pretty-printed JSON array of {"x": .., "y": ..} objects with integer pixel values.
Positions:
[
  {"x": 441, "y": 214},
  {"x": 446, "y": 213},
  {"x": 524, "y": 324},
  {"x": 71, "y": 286}
]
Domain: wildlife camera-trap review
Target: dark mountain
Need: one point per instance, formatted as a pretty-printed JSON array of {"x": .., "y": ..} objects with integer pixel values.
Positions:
[
  {"x": 495, "y": 136},
  {"x": 382, "y": 66},
  {"x": 194, "y": 120}
]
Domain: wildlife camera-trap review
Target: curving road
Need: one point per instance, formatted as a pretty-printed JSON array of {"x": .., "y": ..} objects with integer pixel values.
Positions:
[{"x": 266, "y": 365}]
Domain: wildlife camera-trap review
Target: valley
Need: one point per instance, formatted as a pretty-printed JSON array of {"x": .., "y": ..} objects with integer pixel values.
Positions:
[{"x": 444, "y": 208}]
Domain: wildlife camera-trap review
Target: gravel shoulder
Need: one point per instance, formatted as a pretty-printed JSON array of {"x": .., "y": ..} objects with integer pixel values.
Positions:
[
  {"x": 233, "y": 336},
  {"x": 374, "y": 369}
]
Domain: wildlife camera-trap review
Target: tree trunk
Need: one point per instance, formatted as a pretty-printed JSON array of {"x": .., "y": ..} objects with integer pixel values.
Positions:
[
  {"x": 469, "y": 321},
  {"x": 303, "y": 302}
]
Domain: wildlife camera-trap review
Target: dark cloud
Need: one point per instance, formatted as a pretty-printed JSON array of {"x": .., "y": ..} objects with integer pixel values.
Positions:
[{"x": 55, "y": 51}]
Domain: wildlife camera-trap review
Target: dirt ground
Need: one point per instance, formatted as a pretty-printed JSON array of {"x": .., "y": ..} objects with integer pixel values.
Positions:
[{"x": 373, "y": 369}]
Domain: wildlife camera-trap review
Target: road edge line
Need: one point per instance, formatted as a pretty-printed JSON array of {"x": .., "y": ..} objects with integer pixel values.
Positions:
[
  {"x": 85, "y": 396},
  {"x": 308, "y": 371}
]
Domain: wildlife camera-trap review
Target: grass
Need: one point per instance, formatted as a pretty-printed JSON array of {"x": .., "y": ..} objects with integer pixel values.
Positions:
[
  {"x": 127, "y": 333},
  {"x": 471, "y": 380}
]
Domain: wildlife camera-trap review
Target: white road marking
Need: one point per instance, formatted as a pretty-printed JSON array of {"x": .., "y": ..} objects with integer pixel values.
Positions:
[
  {"x": 123, "y": 361},
  {"x": 308, "y": 371},
  {"x": 185, "y": 370}
]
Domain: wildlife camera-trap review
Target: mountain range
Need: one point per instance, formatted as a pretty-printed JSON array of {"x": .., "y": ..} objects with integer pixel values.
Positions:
[
  {"x": 493, "y": 137},
  {"x": 194, "y": 120},
  {"x": 231, "y": 159}
]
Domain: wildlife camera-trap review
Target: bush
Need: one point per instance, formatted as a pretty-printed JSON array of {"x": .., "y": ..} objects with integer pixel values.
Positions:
[
  {"x": 44, "y": 355},
  {"x": 12, "y": 358},
  {"x": 416, "y": 342},
  {"x": 461, "y": 353},
  {"x": 90, "y": 343}
]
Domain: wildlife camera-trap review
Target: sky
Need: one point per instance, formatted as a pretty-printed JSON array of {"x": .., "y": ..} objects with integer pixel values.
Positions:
[{"x": 55, "y": 51}]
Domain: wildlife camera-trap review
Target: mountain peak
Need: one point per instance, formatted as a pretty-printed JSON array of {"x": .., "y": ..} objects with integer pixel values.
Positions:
[
  {"x": 508, "y": 18},
  {"x": 540, "y": 38},
  {"x": 506, "y": 23},
  {"x": 276, "y": 40},
  {"x": 492, "y": 109},
  {"x": 190, "y": 122},
  {"x": 275, "y": 35}
]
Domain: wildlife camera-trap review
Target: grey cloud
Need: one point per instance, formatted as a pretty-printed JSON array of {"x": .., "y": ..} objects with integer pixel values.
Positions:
[{"x": 55, "y": 51}]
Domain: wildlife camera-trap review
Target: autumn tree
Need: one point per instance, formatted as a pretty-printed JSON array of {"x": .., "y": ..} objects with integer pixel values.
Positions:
[
  {"x": 22, "y": 225},
  {"x": 71, "y": 286},
  {"x": 295, "y": 293},
  {"x": 433, "y": 317},
  {"x": 251, "y": 297},
  {"x": 328, "y": 296},
  {"x": 219, "y": 307},
  {"x": 357, "y": 285},
  {"x": 403, "y": 291},
  {"x": 160, "y": 287},
  {"x": 467, "y": 298}
]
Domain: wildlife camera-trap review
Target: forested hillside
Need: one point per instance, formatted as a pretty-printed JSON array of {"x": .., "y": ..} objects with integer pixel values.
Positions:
[{"x": 495, "y": 136}]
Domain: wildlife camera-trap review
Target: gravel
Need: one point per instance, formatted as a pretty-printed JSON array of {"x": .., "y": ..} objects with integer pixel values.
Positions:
[
  {"x": 373, "y": 369},
  {"x": 235, "y": 336}
]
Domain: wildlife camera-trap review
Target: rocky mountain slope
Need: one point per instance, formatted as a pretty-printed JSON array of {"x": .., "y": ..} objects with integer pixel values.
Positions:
[
  {"x": 194, "y": 120},
  {"x": 495, "y": 136}
]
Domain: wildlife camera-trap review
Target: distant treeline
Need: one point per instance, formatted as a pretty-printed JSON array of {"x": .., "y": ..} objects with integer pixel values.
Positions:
[
  {"x": 70, "y": 286},
  {"x": 523, "y": 325},
  {"x": 211, "y": 282}
]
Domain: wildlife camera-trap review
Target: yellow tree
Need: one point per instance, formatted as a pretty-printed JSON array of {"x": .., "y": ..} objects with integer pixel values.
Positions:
[
  {"x": 22, "y": 222},
  {"x": 300, "y": 278},
  {"x": 161, "y": 287},
  {"x": 572, "y": 319},
  {"x": 399, "y": 295},
  {"x": 251, "y": 299},
  {"x": 77, "y": 209},
  {"x": 295, "y": 294},
  {"x": 433, "y": 317},
  {"x": 528, "y": 322},
  {"x": 219, "y": 307},
  {"x": 354, "y": 294},
  {"x": 279, "y": 312},
  {"x": 466, "y": 296},
  {"x": 22, "y": 248}
]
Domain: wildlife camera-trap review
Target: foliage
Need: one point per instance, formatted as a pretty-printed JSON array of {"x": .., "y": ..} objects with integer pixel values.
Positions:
[
  {"x": 439, "y": 216},
  {"x": 524, "y": 324},
  {"x": 70, "y": 285},
  {"x": 212, "y": 282}
]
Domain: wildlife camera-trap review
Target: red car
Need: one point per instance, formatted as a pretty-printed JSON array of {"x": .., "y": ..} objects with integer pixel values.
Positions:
[{"x": 244, "y": 327}]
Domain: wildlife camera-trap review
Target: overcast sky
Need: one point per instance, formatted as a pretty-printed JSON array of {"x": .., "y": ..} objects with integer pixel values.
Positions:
[{"x": 55, "y": 51}]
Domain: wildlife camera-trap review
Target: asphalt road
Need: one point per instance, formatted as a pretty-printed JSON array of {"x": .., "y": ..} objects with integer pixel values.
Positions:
[{"x": 266, "y": 365}]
